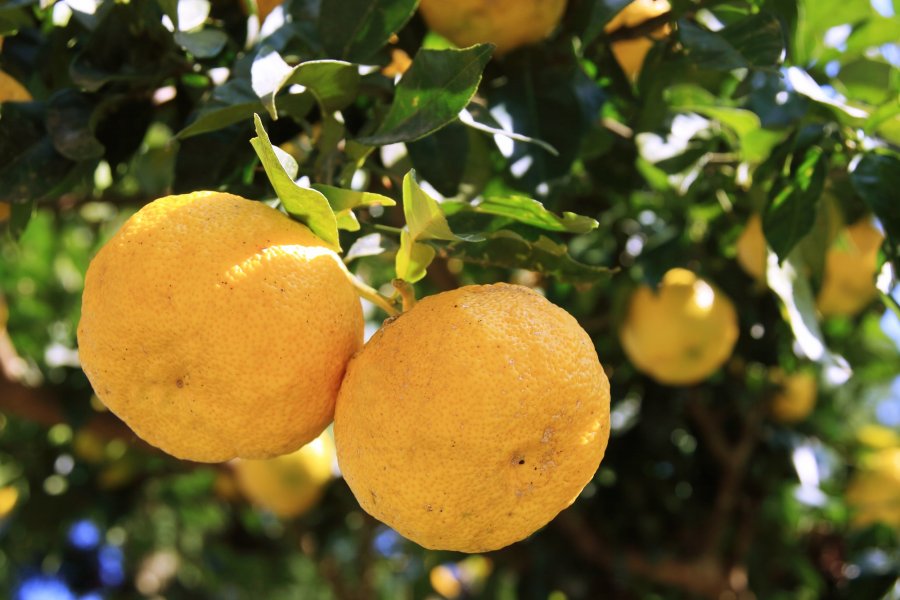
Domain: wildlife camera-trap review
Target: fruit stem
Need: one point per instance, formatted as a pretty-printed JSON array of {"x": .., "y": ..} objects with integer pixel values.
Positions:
[
  {"x": 374, "y": 297},
  {"x": 407, "y": 293}
]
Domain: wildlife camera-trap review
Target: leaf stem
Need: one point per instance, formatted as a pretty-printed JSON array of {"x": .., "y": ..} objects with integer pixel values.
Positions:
[
  {"x": 407, "y": 293},
  {"x": 372, "y": 295}
]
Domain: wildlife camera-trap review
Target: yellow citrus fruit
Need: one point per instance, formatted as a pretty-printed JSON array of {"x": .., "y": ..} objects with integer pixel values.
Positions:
[
  {"x": 89, "y": 447},
  {"x": 877, "y": 436},
  {"x": 4, "y": 313},
  {"x": 265, "y": 7},
  {"x": 874, "y": 492},
  {"x": 473, "y": 419},
  {"x": 631, "y": 52},
  {"x": 445, "y": 581},
  {"x": 751, "y": 248},
  {"x": 508, "y": 24},
  {"x": 9, "y": 497},
  {"x": 796, "y": 398},
  {"x": 217, "y": 327},
  {"x": 289, "y": 485},
  {"x": 11, "y": 90},
  {"x": 681, "y": 333},
  {"x": 848, "y": 284}
]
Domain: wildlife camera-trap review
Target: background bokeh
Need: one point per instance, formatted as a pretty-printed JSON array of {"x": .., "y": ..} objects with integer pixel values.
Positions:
[{"x": 786, "y": 108}]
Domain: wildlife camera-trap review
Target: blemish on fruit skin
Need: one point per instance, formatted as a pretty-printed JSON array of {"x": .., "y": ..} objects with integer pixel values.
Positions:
[{"x": 179, "y": 383}]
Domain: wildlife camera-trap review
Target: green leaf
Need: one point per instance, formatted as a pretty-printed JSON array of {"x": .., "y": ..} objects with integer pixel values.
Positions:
[
  {"x": 205, "y": 43},
  {"x": 429, "y": 158},
  {"x": 708, "y": 49},
  {"x": 509, "y": 249},
  {"x": 876, "y": 179},
  {"x": 236, "y": 101},
  {"x": 333, "y": 83},
  {"x": 424, "y": 221},
  {"x": 424, "y": 218},
  {"x": 595, "y": 15},
  {"x": 412, "y": 258},
  {"x": 309, "y": 206},
  {"x": 757, "y": 38},
  {"x": 343, "y": 202},
  {"x": 816, "y": 17},
  {"x": 799, "y": 308},
  {"x": 529, "y": 212},
  {"x": 14, "y": 16},
  {"x": 437, "y": 86},
  {"x": 792, "y": 212},
  {"x": 692, "y": 98},
  {"x": 354, "y": 29},
  {"x": 68, "y": 122}
]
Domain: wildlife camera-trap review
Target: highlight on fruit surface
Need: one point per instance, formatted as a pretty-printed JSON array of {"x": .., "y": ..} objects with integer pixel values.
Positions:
[
  {"x": 231, "y": 338},
  {"x": 851, "y": 264},
  {"x": 681, "y": 333},
  {"x": 874, "y": 491},
  {"x": 508, "y": 24},
  {"x": 631, "y": 52},
  {"x": 11, "y": 90},
  {"x": 473, "y": 419},
  {"x": 288, "y": 485},
  {"x": 796, "y": 396},
  {"x": 752, "y": 248}
]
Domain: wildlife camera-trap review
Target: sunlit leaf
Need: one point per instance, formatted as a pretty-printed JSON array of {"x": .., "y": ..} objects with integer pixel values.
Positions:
[{"x": 308, "y": 205}]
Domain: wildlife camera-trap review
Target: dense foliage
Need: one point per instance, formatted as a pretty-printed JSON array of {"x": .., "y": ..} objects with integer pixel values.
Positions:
[{"x": 547, "y": 166}]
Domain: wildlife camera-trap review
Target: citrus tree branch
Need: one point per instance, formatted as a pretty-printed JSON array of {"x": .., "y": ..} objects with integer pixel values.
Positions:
[{"x": 703, "y": 577}]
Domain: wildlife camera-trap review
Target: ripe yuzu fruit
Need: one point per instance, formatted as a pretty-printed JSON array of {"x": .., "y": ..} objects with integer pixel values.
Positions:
[
  {"x": 217, "y": 327},
  {"x": 751, "y": 248},
  {"x": 11, "y": 90},
  {"x": 796, "y": 397},
  {"x": 470, "y": 421},
  {"x": 681, "y": 333},
  {"x": 874, "y": 491},
  {"x": 291, "y": 484},
  {"x": 851, "y": 263},
  {"x": 631, "y": 52},
  {"x": 508, "y": 24}
]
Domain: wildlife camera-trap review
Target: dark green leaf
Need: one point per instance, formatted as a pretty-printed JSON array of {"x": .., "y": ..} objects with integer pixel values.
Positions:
[
  {"x": 555, "y": 105},
  {"x": 791, "y": 213},
  {"x": 205, "y": 43},
  {"x": 708, "y": 49},
  {"x": 757, "y": 38},
  {"x": 354, "y": 29},
  {"x": 877, "y": 180},
  {"x": 309, "y": 206},
  {"x": 33, "y": 174},
  {"x": 14, "y": 16},
  {"x": 236, "y": 101},
  {"x": 437, "y": 86},
  {"x": 429, "y": 157},
  {"x": 596, "y": 14},
  {"x": 69, "y": 126},
  {"x": 508, "y": 249}
]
